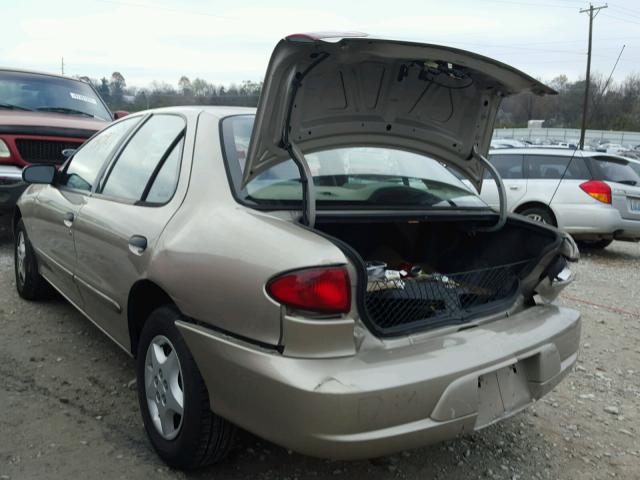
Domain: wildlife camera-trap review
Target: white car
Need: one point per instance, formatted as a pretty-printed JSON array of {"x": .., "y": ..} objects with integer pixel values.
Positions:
[
  {"x": 593, "y": 196},
  {"x": 499, "y": 143}
]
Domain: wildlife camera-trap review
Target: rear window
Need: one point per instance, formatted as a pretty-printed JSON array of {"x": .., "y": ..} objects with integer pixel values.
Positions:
[
  {"x": 614, "y": 170},
  {"x": 355, "y": 177},
  {"x": 555, "y": 167},
  {"x": 635, "y": 167}
]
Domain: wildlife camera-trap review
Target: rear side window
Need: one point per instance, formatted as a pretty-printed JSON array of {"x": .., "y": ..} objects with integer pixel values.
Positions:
[
  {"x": 554, "y": 167},
  {"x": 142, "y": 161},
  {"x": 508, "y": 165},
  {"x": 165, "y": 183},
  {"x": 85, "y": 165},
  {"x": 614, "y": 170}
]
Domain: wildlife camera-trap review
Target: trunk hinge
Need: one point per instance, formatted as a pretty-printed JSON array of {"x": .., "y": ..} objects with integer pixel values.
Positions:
[
  {"x": 306, "y": 177},
  {"x": 502, "y": 192}
]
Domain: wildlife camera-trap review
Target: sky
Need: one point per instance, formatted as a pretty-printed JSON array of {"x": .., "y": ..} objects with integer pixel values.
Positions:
[{"x": 229, "y": 41}]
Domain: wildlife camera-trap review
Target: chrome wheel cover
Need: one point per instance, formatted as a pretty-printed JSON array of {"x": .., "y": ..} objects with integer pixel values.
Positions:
[
  {"x": 164, "y": 388},
  {"x": 21, "y": 257}
]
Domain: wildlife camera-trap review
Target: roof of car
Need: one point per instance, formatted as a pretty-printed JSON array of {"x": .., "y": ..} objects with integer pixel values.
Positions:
[
  {"x": 36, "y": 72},
  {"x": 567, "y": 152},
  {"x": 216, "y": 110}
]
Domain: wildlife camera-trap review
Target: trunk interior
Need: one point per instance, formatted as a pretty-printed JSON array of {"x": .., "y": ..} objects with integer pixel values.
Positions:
[{"x": 417, "y": 275}]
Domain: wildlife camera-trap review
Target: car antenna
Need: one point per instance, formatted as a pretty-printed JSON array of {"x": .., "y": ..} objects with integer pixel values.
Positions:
[{"x": 566, "y": 169}]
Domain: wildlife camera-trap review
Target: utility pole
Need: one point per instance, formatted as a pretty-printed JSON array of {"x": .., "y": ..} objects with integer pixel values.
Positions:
[
  {"x": 62, "y": 65},
  {"x": 593, "y": 12}
]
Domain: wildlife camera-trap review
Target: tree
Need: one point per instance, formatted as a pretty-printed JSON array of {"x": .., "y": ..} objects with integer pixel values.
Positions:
[
  {"x": 103, "y": 89},
  {"x": 200, "y": 87},
  {"x": 185, "y": 86},
  {"x": 117, "y": 86}
]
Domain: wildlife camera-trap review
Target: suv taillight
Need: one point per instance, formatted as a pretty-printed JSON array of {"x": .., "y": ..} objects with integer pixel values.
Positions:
[
  {"x": 323, "y": 290},
  {"x": 598, "y": 190}
]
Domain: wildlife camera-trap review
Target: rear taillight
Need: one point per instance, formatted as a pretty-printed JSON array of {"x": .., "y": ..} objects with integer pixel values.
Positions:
[
  {"x": 598, "y": 190},
  {"x": 323, "y": 290}
]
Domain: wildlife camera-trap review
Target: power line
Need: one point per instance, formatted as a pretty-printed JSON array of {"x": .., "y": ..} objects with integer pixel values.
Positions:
[
  {"x": 625, "y": 9},
  {"x": 169, "y": 9},
  {"x": 622, "y": 19},
  {"x": 550, "y": 5}
]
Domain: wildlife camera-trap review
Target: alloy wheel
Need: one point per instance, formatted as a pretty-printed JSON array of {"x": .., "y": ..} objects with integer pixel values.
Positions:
[
  {"x": 21, "y": 257},
  {"x": 164, "y": 387}
]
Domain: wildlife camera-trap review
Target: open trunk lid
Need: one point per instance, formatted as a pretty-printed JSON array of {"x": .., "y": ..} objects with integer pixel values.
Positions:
[{"x": 325, "y": 91}]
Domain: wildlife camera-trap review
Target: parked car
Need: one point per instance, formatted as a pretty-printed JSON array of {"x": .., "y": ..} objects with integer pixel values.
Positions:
[
  {"x": 344, "y": 313},
  {"x": 593, "y": 196},
  {"x": 40, "y": 116},
  {"x": 497, "y": 143},
  {"x": 609, "y": 147}
]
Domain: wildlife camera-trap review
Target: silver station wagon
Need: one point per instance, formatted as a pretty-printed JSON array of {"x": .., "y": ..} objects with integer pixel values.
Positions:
[
  {"x": 311, "y": 271},
  {"x": 591, "y": 195}
]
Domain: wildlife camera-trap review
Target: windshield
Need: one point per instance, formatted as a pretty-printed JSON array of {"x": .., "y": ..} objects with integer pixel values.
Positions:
[
  {"x": 615, "y": 170},
  {"x": 363, "y": 177},
  {"x": 31, "y": 91}
]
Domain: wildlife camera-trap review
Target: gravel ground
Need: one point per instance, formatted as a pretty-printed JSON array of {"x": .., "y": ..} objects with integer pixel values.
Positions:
[{"x": 67, "y": 409}]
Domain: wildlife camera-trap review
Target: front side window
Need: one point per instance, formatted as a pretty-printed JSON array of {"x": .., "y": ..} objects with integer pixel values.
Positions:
[
  {"x": 508, "y": 165},
  {"x": 145, "y": 156},
  {"x": 357, "y": 177},
  {"x": 555, "y": 167},
  {"x": 615, "y": 170},
  {"x": 85, "y": 165},
  {"x": 49, "y": 93}
]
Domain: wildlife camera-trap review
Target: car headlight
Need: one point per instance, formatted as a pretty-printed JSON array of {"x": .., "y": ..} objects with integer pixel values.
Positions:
[{"x": 4, "y": 150}]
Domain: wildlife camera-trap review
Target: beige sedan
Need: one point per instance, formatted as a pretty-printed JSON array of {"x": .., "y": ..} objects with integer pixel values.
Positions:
[{"x": 310, "y": 271}]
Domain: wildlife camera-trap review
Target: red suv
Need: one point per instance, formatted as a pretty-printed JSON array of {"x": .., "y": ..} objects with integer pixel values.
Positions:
[{"x": 40, "y": 116}]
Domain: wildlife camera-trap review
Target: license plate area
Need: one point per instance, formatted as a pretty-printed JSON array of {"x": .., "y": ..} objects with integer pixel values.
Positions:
[
  {"x": 501, "y": 394},
  {"x": 634, "y": 204}
]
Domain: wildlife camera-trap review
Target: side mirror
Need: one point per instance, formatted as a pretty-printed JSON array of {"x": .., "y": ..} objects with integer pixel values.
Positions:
[
  {"x": 45, "y": 174},
  {"x": 119, "y": 114}
]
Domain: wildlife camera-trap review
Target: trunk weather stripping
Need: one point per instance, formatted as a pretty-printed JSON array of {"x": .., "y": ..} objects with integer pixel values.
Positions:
[
  {"x": 502, "y": 194},
  {"x": 306, "y": 177}
]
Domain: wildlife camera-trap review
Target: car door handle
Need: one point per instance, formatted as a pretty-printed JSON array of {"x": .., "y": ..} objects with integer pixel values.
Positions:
[
  {"x": 137, "y": 244},
  {"x": 514, "y": 187},
  {"x": 68, "y": 219}
]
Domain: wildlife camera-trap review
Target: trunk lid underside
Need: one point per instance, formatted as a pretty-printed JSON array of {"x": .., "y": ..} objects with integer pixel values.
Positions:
[{"x": 328, "y": 92}]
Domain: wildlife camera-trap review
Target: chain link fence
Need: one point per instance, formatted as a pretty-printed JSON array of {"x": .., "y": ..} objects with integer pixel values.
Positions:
[{"x": 568, "y": 135}]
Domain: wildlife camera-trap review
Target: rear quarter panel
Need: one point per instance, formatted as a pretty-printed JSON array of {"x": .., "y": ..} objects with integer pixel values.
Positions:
[{"x": 215, "y": 256}]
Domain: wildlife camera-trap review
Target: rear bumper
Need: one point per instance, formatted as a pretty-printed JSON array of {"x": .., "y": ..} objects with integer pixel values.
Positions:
[
  {"x": 11, "y": 186},
  {"x": 384, "y": 400},
  {"x": 586, "y": 221}
]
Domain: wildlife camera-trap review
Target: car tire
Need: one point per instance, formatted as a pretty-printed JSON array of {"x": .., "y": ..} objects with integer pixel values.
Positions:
[
  {"x": 538, "y": 214},
  {"x": 29, "y": 283},
  {"x": 195, "y": 437},
  {"x": 597, "y": 244}
]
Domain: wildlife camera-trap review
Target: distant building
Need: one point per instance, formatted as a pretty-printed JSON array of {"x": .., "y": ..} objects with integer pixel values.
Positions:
[{"x": 535, "y": 123}]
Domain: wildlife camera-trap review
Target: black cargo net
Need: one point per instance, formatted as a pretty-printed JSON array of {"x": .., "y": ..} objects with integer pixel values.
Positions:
[{"x": 432, "y": 299}]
